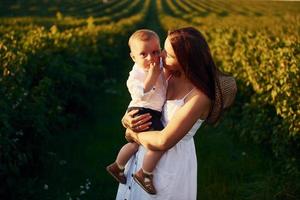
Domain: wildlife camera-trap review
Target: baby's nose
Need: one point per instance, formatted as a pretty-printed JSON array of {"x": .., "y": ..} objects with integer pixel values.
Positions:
[{"x": 149, "y": 57}]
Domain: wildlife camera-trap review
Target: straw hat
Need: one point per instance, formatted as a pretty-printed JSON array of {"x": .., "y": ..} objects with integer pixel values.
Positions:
[{"x": 225, "y": 94}]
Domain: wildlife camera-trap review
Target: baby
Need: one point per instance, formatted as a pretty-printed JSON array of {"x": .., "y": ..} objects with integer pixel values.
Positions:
[{"x": 147, "y": 87}]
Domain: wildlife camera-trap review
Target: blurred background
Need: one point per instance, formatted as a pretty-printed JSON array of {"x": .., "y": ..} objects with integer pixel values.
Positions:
[{"x": 63, "y": 67}]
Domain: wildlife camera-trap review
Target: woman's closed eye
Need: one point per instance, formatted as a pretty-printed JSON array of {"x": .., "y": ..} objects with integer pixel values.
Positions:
[{"x": 167, "y": 55}]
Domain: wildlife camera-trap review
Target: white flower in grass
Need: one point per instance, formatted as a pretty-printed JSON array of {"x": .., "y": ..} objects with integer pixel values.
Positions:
[
  {"x": 62, "y": 162},
  {"x": 82, "y": 192},
  {"x": 244, "y": 153},
  {"x": 59, "y": 108},
  {"x": 20, "y": 132},
  {"x": 46, "y": 187},
  {"x": 87, "y": 184},
  {"x": 111, "y": 91},
  {"x": 16, "y": 140},
  {"x": 51, "y": 153}
]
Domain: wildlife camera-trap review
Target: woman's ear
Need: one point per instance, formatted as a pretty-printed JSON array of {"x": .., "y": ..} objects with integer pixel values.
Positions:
[{"x": 132, "y": 56}]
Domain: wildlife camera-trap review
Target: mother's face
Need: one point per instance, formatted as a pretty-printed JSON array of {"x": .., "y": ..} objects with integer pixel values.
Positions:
[{"x": 169, "y": 57}]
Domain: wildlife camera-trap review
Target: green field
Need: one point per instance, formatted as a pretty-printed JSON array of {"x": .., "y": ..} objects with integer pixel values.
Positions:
[{"x": 63, "y": 67}]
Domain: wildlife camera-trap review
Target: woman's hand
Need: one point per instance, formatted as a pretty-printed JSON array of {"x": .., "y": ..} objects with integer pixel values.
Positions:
[
  {"x": 138, "y": 123},
  {"x": 131, "y": 136}
]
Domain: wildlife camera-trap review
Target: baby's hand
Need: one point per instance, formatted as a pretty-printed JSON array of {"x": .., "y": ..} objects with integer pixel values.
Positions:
[
  {"x": 153, "y": 74},
  {"x": 154, "y": 69}
]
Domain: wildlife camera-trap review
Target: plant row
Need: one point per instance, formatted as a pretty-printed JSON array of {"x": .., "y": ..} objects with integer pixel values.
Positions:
[
  {"x": 265, "y": 63},
  {"x": 50, "y": 80}
]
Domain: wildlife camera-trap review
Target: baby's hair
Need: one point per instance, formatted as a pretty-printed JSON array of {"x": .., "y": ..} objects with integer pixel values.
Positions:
[{"x": 142, "y": 35}]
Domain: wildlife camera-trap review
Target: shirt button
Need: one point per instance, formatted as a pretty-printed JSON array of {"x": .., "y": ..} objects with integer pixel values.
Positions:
[
  {"x": 129, "y": 188},
  {"x": 131, "y": 175}
]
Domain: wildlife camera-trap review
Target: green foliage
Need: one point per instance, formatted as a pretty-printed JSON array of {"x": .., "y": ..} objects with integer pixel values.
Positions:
[
  {"x": 263, "y": 59},
  {"x": 54, "y": 59},
  {"x": 50, "y": 79}
]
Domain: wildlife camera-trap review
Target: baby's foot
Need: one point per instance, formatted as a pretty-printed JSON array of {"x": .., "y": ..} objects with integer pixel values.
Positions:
[
  {"x": 145, "y": 181},
  {"x": 116, "y": 172}
]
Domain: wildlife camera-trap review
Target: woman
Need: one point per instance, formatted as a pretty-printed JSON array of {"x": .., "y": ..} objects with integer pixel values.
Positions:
[{"x": 197, "y": 91}]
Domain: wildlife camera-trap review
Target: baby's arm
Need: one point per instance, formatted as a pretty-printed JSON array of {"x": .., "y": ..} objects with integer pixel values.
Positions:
[
  {"x": 135, "y": 85},
  {"x": 153, "y": 73}
]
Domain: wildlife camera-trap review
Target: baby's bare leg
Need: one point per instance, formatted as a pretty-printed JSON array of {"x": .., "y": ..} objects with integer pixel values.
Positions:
[
  {"x": 125, "y": 153},
  {"x": 151, "y": 158}
]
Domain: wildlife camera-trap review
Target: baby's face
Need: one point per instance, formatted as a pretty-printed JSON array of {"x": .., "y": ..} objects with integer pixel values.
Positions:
[{"x": 144, "y": 53}]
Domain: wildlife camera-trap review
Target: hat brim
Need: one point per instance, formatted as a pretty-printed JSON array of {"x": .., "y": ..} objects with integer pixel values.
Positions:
[{"x": 225, "y": 92}]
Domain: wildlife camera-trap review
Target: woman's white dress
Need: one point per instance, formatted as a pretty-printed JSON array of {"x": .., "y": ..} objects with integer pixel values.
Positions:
[{"x": 175, "y": 176}]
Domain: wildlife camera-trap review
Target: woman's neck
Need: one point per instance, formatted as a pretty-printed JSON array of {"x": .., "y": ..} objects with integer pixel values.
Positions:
[
  {"x": 182, "y": 79},
  {"x": 179, "y": 87}
]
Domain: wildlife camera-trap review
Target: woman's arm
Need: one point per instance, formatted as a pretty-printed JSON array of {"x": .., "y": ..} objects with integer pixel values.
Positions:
[{"x": 196, "y": 107}]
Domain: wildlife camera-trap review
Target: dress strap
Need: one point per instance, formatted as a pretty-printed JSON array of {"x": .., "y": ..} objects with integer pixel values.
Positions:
[
  {"x": 188, "y": 93},
  {"x": 169, "y": 77}
]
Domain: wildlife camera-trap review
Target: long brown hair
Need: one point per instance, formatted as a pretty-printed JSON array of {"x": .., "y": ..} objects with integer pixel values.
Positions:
[{"x": 193, "y": 54}]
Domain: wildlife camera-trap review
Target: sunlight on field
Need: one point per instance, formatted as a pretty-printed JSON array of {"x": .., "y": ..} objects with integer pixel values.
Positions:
[{"x": 63, "y": 61}]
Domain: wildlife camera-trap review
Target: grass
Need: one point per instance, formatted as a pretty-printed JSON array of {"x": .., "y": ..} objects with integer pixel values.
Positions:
[
  {"x": 227, "y": 168},
  {"x": 80, "y": 156}
]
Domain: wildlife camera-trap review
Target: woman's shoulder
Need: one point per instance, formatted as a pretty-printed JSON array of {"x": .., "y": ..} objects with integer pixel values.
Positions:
[
  {"x": 199, "y": 95},
  {"x": 200, "y": 101}
]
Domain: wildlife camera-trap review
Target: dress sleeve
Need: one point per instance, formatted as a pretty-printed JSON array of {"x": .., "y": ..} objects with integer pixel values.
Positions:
[{"x": 135, "y": 85}]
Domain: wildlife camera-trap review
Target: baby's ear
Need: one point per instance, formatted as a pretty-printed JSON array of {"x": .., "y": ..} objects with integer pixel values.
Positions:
[{"x": 132, "y": 56}]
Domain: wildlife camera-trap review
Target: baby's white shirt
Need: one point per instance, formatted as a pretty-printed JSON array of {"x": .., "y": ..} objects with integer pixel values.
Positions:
[{"x": 154, "y": 98}]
